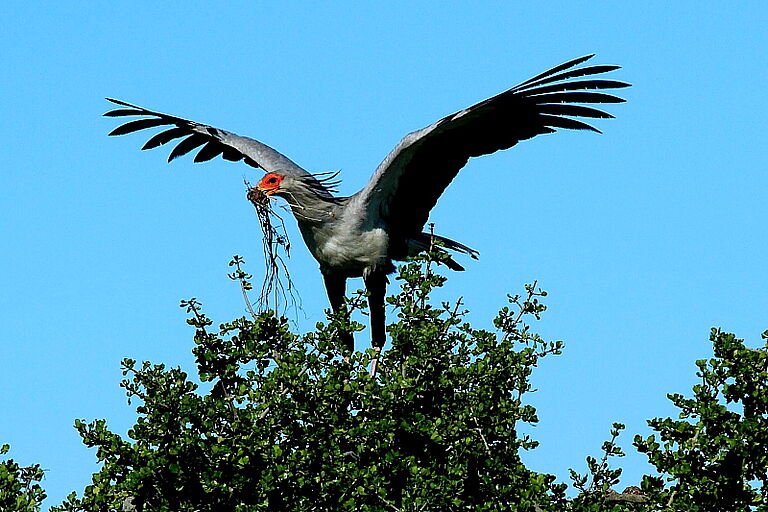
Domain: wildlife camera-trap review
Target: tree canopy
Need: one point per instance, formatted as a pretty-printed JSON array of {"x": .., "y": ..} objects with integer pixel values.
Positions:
[{"x": 274, "y": 420}]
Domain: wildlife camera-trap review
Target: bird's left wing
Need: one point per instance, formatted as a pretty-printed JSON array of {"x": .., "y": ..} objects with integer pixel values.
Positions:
[
  {"x": 214, "y": 141},
  {"x": 407, "y": 184}
]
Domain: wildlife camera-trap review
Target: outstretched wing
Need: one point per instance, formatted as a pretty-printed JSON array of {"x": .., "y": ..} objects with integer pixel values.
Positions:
[
  {"x": 214, "y": 141},
  {"x": 408, "y": 183}
]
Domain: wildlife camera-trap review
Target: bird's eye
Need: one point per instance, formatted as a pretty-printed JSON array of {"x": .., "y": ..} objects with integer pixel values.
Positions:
[{"x": 272, "y": 180}]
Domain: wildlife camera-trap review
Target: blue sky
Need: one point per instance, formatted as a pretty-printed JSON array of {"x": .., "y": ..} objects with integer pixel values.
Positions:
[{"x": 645, "y": 236}]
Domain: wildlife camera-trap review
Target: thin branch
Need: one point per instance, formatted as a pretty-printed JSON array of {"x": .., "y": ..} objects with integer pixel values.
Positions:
[
  {"x": 523, "y": 307},
  {"x": 245, "y": 284},
  {"x": 451, "y": 316},
  {"x": 194, "y": 307},
  {"x": 480, "y": 431},
  {"x": 603, "y": 462},
  {"x": 693, "y": 445},
  {"x": 388, "y": 503}
]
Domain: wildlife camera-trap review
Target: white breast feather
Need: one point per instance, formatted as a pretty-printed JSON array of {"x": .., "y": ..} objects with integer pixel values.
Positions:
[{"x": 355, "y": 249}]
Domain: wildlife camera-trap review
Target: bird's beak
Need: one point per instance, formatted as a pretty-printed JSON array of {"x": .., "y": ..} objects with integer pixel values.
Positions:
[
  {"x": 264, "y": 191},
  {"x": 258, "y": 196}
]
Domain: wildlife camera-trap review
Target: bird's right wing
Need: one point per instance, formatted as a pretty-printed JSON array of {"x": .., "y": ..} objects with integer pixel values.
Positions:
[
  {"x": 214, "y": 141},
  {"x": 408, "y": 183}
]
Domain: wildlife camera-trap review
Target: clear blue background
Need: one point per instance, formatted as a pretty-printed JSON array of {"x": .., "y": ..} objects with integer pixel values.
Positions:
[{"x": 645, "y": 236}]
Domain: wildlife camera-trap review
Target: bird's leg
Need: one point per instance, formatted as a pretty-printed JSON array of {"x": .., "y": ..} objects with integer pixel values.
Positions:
[
  {"x": 376, "y": 284},
  {"x": 335, "y": 286}
]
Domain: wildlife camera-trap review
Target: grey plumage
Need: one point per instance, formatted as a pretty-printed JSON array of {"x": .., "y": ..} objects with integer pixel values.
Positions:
[{"x": 362, "y": 234}]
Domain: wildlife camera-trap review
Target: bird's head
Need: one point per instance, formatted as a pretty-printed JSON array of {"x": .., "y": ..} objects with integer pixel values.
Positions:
[
  {"x": 302, "y": 191},
  {"x": 270, "y": 183}
]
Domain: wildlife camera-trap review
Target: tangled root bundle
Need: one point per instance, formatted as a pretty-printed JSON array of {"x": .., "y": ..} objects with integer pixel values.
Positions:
[{"x": 277, "y": 291}]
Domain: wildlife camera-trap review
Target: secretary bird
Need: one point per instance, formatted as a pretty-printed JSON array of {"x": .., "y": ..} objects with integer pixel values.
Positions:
[{"x": 361, "y": 235}]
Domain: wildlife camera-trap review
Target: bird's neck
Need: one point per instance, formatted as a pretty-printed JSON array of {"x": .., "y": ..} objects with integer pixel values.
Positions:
[{"x": 309, "y": 206}]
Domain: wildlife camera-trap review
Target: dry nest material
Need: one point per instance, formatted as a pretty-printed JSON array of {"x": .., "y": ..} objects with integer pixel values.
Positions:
[{"x": 277, "y": 290}]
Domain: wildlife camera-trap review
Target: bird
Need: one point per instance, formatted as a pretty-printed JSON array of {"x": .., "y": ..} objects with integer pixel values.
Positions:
[{"x": 362, "y": 235}]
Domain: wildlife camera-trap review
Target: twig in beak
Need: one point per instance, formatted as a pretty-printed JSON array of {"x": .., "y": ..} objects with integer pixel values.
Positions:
[{"x": 275, "y": 289}]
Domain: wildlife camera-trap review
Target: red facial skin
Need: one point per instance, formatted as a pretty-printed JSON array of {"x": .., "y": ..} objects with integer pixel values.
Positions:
[{"x": 270, "y": 183}]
